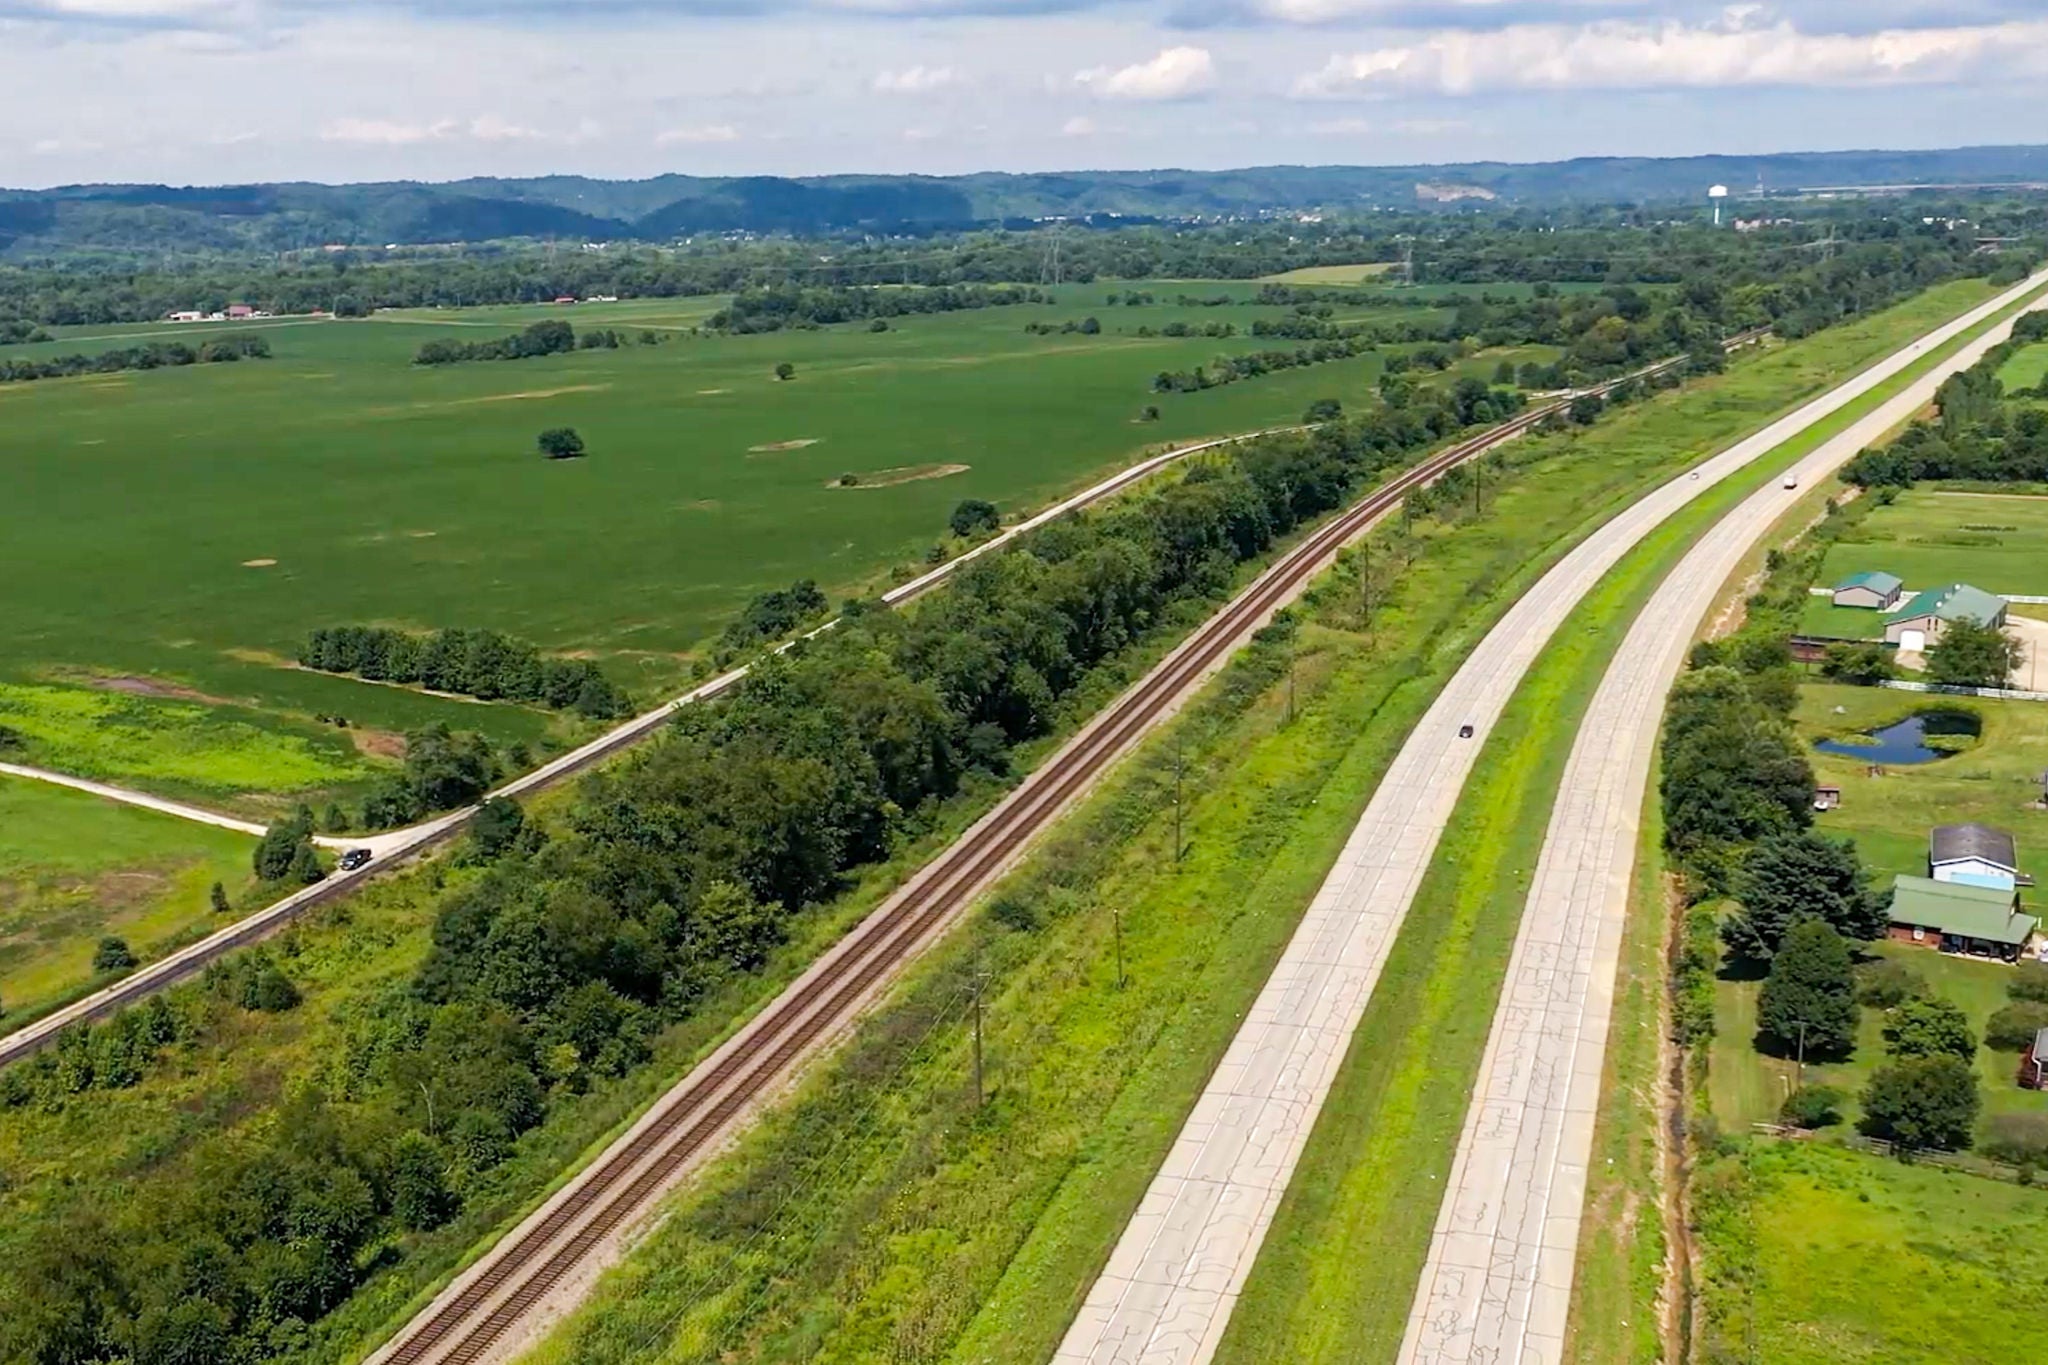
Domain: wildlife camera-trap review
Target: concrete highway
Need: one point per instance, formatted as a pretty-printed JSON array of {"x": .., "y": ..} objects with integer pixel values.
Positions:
[
  {"x": 1166, "y": 1294},
  {"x": 1497, "y": 1283}
]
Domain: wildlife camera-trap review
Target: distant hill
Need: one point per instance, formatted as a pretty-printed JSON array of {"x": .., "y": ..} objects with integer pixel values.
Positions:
[{"x": 299, "y": 215}]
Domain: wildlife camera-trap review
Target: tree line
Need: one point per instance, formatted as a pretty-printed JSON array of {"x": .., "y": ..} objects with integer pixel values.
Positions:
[
  {"x": 153, "y": 356},
  {"x": 472, "y": 663},
  {"x": 551, "y": 337},
  {"x": 1977, "y": 432},
  {"x": 793, "y": 306},
  {"x": 20, "y": 331}
]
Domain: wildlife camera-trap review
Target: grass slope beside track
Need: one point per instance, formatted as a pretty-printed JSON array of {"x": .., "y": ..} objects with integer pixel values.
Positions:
[
  {"x": 882, "y": 1215},
  {"x": 1369, "y": 1184}
]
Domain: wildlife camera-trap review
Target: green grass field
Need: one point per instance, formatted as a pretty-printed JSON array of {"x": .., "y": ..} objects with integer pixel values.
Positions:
[
  {"x": 189, "y": 526},
  {"x": 75, "y": 867},
  {"x": 1931, "y": 537},
  {"x": 1819, "y": 1256},
  {"x": 2027, "y": 368},
  {"x": 1994, "y": 781}
]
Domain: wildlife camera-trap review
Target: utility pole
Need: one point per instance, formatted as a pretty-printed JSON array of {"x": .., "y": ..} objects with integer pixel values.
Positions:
[
  {"x": 1290, "y": 679},
  {"x": 980, "y": 1095},
  {"x": 1365, "y": 582},
  {"x": 1117, "y": 921},
  {"x": 1799, "y": 1074},
  {"x": 1177, "y": 843}
]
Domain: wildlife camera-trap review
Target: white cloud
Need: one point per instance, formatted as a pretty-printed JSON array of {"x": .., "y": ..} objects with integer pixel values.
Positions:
[
  {"x": 918, "y": 80},
  {"x": 702, "y": 135},
  {"x": 1176, "y": 73},
  {"x": 491, "y": 128},
  {"x": 385, "y": 133},
  {"x": 1738, "y": 50},
  {"x": 1078, "y": 126}
]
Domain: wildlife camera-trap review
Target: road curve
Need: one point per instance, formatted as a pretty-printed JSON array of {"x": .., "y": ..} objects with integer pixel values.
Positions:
[
  {"x": 493, "y": 1304},
  {"x": 1167, "y": 1291},
  {"x": 1497, "y": 1283},
  {"x": 398, "y": 846}
]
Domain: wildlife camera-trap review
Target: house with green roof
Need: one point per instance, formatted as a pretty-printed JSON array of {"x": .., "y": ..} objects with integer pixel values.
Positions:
[
  {"x": 1874, "y": 590},
  {"x": 1954, "y": 917},
  {"x": 1920, "y": 623}
]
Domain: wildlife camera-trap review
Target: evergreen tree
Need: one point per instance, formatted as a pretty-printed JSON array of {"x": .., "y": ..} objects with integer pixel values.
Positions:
[
  {"x": 1796, "y": 876},
  {"x": 1809, "y": 999}
]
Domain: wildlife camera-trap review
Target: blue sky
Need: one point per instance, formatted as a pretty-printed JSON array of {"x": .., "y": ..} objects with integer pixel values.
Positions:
[{"x": 209, "y": 91}]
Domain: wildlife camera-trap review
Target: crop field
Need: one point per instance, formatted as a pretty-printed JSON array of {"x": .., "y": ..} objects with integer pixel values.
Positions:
[
  {"x": 1333, "y": 274},
  {"x": 75, "y": 867},
  {"x": 1930, "y": 537},
  {"x": 1819, "y": 1256},
  {"x": 192, "y": 524}
]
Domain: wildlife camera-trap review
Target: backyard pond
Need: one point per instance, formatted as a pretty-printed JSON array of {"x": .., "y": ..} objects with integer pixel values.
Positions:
[{"x": 1919, "y": 738}]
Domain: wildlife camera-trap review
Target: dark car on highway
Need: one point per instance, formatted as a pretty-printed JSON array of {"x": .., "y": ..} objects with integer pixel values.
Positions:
[{"x": 355, "y": 858}]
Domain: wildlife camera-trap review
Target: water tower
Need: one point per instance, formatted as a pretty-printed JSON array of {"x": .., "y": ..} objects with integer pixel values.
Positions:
[{"x": 1717, "y": 194}]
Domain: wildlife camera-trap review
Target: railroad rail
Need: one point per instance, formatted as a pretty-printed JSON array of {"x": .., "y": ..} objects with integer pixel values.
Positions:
[{"x": 477, "y": 1311}]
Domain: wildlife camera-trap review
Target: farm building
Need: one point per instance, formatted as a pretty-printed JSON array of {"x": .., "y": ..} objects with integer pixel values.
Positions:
[
  {"x": 1957, "y": 918},
  {"x": 1920, "y": 622},
  {"x": 1827, "y": 798},
  {"x": 1973, "y": 855},
  {"x": 1876, "y": 590}
]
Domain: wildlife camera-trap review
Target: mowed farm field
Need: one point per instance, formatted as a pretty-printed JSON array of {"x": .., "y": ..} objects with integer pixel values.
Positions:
[
  {"x": 193, "y": 524},
  {"x": 1933, "y": 536}
]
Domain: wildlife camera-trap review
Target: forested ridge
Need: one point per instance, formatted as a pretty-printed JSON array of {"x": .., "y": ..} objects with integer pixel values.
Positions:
[{"x": 1872, "y": 255}]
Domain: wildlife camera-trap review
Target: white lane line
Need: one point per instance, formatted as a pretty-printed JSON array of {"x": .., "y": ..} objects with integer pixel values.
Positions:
[
  {"x": 1167, "y": 1292},
  {"x": 1498, "y": 1279}
]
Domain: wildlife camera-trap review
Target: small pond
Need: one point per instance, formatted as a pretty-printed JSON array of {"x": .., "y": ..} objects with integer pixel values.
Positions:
[{"x": 1905, "y": 743}]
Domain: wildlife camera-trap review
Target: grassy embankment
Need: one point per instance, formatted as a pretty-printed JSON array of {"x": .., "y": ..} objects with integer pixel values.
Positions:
[
  {"x": 74, "y": 868},
  {"x": 824, "y": 1236},
  {"x": 1370, "y": 1180},
  {"x": 1821, "y": 1256}
]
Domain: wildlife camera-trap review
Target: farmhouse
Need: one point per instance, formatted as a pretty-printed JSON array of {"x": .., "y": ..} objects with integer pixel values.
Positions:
[
  {"x": 1920, "y": 622},
  {"x": 1877, "y": 590},
  {"x": 1973, "y": 855},
  {"x": 1958, "y": 918},
  {"x": 2034, "y": 1063}
]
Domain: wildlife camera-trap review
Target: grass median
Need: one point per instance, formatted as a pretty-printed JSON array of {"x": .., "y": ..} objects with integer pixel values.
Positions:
[
  {"x": 882, "y": 1213},
  {"x": 1371, "y": 1179}
]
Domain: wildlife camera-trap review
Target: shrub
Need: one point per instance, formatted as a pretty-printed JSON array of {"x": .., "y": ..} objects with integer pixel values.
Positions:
[
  {"x": 2029, "y": 981},
  {"x": 1929, "y": 1028},
  {"x": 561, "y": 443},
  {"x": 2021, "y": 1139},
  {"x": 785, "y": 371},
  {"x": 1014, "y": 912},
  {"x": 1883, "y": 984},
  {"x": 973, "y": 517},
  {"x": 1922, "y": 1102},
  {"x": 1812, "y": 1106},
  {"x": 1860, "y": 665},
  {"x": 112, "y": 955},
  {"x": 2012, "y": 1028}
]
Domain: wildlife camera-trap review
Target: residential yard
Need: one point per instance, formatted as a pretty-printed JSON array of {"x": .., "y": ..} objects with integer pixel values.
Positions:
[
  {"x": 75, "y": 867},
  {"x": 1932, "y": 536},
  {"x": 1816, "y": 1255},
  {"x": 1995, "y": 781},
  {"x": 1747, "y": 1087}
]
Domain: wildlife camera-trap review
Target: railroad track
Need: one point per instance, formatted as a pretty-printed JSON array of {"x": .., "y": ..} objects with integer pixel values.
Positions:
[{"x": 483, "y": 1305}]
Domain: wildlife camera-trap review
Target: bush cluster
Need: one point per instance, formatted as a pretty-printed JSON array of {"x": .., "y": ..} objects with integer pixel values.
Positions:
[
  {"x": 472, "y": 663},
  {"x": 154, "y": 356},
  {"x": 796, "y": 306},
  {"x": 551, "y": 337}
]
